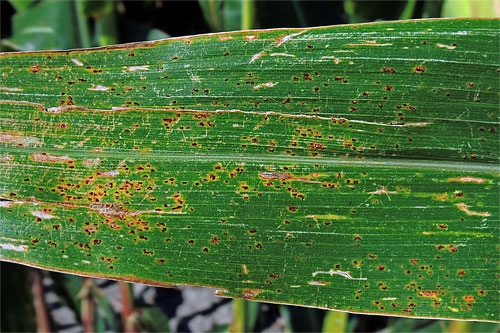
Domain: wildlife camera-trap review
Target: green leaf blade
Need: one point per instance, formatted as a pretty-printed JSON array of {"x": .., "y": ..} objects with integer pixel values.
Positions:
[{"x": 351, "y": 168}]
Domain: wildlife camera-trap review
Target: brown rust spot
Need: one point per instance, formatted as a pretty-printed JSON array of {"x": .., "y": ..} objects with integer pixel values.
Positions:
[
  {"x": 419, "y": 69},
  {"x": 215, "y": 240},
  {"x": 388, "y": 70},
  {"x": 46, "y": 158},
  {"x": 316, "y": 146},
  {"x": 442, "y": 196},
  {"x": 251, "y": 293},
  {"x": 35, "y": 68},
  {"x": 469, "y": 298},
  {"x": 428, "y": 293}
]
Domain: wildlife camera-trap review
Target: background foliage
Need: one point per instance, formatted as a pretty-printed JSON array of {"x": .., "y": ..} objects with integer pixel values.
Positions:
[{"x": 47, "y": 25}]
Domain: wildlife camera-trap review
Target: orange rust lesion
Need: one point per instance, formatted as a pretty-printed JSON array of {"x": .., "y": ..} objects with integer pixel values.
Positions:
[
  {"x": 428, "y": 293},
  {"x": 215, "y": 240},
  {"x": 108, "y": 259},
  {"x": 419, "y": 69},
  {"x": 317, "y": 146},
  {"x": 34, "y": 68},
  {"x": 251, "y": 293},
  {"x": 450, "y": 247},
  {"x": 224, "y": 37},
  {"x": 469, "y": 298},
  {"x": 442, "y": 196},
  {"x": 388, "y": 70}
]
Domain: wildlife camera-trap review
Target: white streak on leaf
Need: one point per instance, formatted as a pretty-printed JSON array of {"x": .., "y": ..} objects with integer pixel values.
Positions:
[
  {"x": 370, "y": 43},
  {"x": 465, "y": 208},
  {"x": 98, "y": 88},
  {"x": 256, "y": 56},
  {"x": 43, "y": 215},
  {"x": 286, "y": 38},
  {"x": 77, "y": 62},
  {"x": 107, "y": 173},
  {"x": 449, "y": 47},
  {"x": 332, "y": 272},
  {"x": 383, "y": 190},
  {"x": 267, "y": 84},
  {"x": 13, "y": 239},
  {"x": 10, "y": 89},
  {"x": 282, "y": 55},
  {"x": 467, "y": 179},
  {"x": 18, "y": 248},
  {"x": 138, "y": 68},
  {"x": 317, "y": 283}
]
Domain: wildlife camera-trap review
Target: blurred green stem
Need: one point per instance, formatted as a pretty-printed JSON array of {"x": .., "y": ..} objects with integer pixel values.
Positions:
[
  {"x": 83, "y": 29},
  {"x": 127, "y": 306},
  {"x": 409, "y": 9},
  {"x": 335, "y": 322},
  {"x": 457, "y": 326},
  {"x": 88, "y": 305},
  {"x": 42, "y": 315},
  {"x": 239, "y": 319},
  {"x": 247, "y": 9}
]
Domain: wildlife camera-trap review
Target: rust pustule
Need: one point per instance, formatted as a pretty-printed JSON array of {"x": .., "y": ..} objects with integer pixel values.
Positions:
[
  {"x": 251, "y": 293},
  {"x": 428, "y": 293}
]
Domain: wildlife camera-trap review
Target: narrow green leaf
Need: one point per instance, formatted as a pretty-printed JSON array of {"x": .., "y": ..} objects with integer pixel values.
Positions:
[
  {"x": 335, "y": 322},
  {"x": 153, "y": 319},
  {"x": 470, "y": 8},
  {"x": 232, "y": 14},
  {"x": 351, "y": 167},
  {"x": 36, "y": 29},
  {"x": 212, "y": 11},
  {"x": 21, "y": 5}
]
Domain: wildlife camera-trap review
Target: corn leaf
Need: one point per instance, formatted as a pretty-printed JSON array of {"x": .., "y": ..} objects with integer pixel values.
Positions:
[{"x": 350, "y": 167}]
